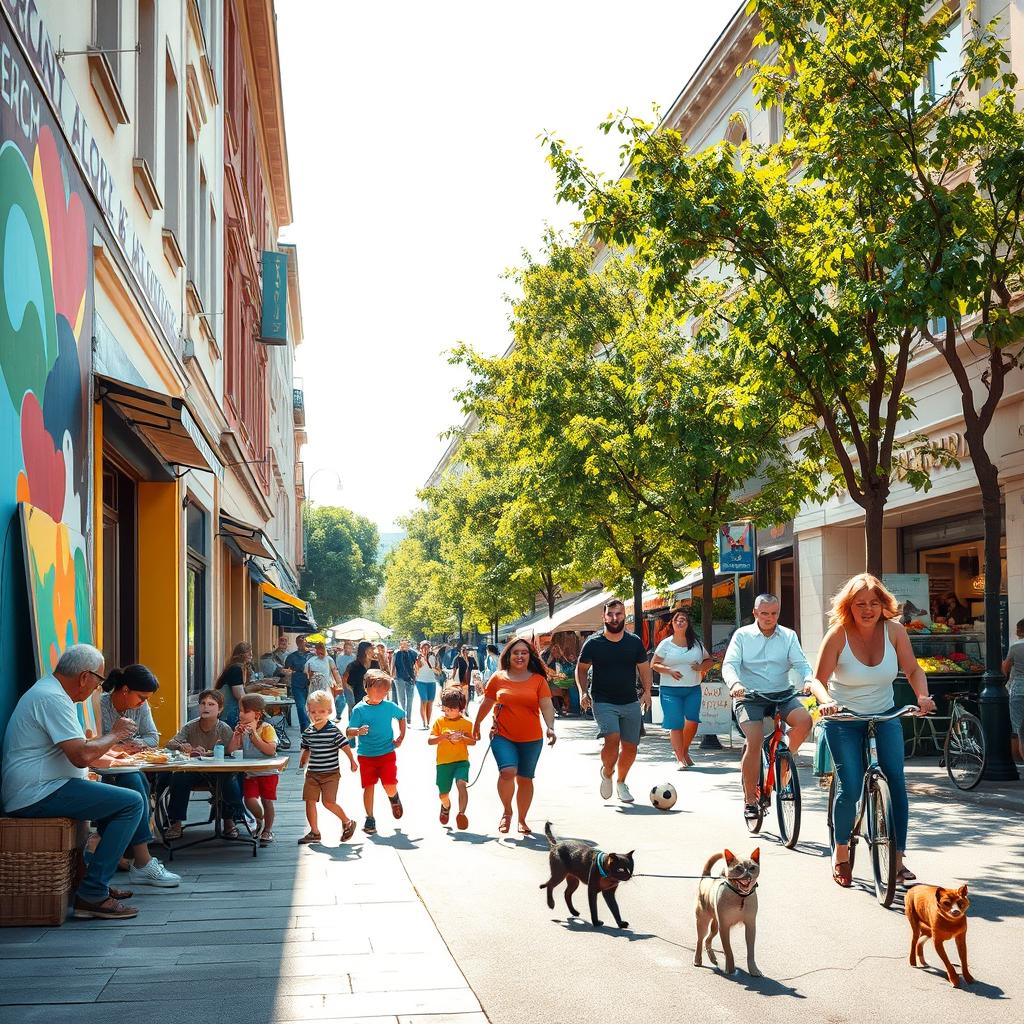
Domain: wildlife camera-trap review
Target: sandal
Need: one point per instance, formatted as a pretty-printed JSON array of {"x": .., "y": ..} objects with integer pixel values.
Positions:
[
  {"x": 348, "y": 830},
  {"x": 266, "y": 837},
  {"x": 905, "y": 875},
  {"x": 445, "y": 814},
  {"x": 524, "y": 829},
  {"x": 309, "y": 837},
  {"x": 231, "y": 832},
  {"x": 461, "y": 821},
  {"x": 505, "y": 823},
  {"x": 173, "y": 831},
  {"x": 842, "y": 874}
]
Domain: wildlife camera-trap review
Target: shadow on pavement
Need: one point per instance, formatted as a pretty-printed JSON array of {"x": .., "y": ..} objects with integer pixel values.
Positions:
[
  {"x": 338, "y": 853},
  {"x": 398, "y": 841},
  {"x": 573, "y": 924},
  {"x": 474, "y": 838}
]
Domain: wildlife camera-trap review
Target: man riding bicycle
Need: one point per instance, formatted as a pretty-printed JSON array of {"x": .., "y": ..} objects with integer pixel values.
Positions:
[{"x": 756, "y": 669}]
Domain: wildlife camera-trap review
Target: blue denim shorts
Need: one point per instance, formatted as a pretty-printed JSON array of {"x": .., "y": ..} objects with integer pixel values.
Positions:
[
  {"x": 521, "y": 756},
  {"x": 427, "y": 691},
  {"x": 679, "y": 705}
]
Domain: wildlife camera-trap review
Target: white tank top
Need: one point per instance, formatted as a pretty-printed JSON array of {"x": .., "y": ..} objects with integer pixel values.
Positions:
[
  {"x": 425, "y": 674},
  {"x": 865, "y": 689}
]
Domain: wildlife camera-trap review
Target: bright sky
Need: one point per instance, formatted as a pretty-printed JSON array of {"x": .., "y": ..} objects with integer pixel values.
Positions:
[{"x": 417, "y": 179}]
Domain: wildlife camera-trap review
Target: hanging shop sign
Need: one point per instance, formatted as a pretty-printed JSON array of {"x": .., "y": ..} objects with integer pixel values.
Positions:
[
  {"x": 274, "y": 312},
  {"x": 911, "y": 591},
  {"x": 736, "y": 547}
]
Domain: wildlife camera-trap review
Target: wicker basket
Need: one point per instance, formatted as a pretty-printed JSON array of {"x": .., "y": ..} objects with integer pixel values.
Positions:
[{"x": 38, "y": 859}]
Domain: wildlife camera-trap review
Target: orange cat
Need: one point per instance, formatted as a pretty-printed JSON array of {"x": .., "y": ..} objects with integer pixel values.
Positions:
[{"x": 940, "y": 914}]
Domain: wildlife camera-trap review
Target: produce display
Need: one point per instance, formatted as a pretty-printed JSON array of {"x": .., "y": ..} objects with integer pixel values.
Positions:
[
  {"x": 919, "y": 628},
  {"x": 951, "y": 663}
]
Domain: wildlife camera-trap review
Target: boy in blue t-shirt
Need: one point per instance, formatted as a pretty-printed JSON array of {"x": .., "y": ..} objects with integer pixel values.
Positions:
[{"x": 370, "y": 720}]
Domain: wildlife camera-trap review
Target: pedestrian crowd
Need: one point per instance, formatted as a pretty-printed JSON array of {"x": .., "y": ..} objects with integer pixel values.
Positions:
[{"x": 354, "y": 704}]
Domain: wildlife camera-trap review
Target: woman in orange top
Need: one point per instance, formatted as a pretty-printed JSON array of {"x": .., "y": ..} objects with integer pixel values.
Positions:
[{"x": 521, "y": 693}]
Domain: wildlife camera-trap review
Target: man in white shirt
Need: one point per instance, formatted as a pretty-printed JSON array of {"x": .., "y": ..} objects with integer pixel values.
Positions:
[
  {"x": 45, "y": 760},
  {"x": 756, "y": 669}
]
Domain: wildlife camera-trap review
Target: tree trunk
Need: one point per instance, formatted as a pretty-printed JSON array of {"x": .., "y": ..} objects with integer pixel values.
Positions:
[
  {"x": 993, "y": 703},
  {"x": 637, "y": 577},
  {"x": 874, "y": 509},
  {"x": 707, "y": 593},
  {"x": 549, "y": 590}
]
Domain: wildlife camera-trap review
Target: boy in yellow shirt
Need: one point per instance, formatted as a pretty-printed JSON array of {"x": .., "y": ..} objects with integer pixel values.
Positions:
[{"x": 452, "y": 734}]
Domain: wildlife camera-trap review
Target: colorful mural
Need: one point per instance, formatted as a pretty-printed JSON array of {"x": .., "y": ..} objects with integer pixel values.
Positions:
[{"x": 45, "y": 346}]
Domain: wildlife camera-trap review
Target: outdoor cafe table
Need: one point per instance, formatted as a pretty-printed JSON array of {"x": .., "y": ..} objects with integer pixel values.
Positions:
[{"x": 217, "y": 769}]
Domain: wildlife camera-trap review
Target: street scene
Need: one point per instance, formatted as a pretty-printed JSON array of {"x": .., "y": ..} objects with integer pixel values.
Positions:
[{"x": 511, "y": 515}]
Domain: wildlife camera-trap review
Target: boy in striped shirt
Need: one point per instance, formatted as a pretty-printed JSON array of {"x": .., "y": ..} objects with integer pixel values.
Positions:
[{"x": 321, "y": 741}]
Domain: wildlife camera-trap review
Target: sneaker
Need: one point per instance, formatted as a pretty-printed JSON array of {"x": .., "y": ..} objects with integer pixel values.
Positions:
[
  {"x": 154, "y": 873},
  {"x": 396, "y": 806},
  {"x": 370, "y": 828},
  {"x": 751, "y": 812},
  {"x": 173, "y": 831},
  {"x": 309, "y": 837},
  {"x": 445, "y": 814},
  {"x": 623, "y": 793},
  {"x": 461, "y": 821},
  {"x": 606, "y": 785}
]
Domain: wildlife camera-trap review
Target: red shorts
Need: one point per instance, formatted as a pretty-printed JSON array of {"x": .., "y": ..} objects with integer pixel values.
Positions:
[
  {"x": 382, "y": 769},
  {"x": 264, "y": 786}
]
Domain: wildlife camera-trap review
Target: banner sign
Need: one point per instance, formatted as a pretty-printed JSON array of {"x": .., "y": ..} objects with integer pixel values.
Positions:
[
  {"x": 911, "y": 590},
  {"x": 736, "y": 548},
  {"x": 274, "y": 314}
]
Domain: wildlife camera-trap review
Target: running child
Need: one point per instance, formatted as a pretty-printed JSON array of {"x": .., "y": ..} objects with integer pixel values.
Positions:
[
  {"x": 321, "y": 743},
  {"x": 452, "y": 734},
  {"x": 371, "y": 720}
]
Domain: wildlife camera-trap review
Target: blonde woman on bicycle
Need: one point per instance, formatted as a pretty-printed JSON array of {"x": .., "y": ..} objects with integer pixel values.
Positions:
[{"x": 859, "y": 659}]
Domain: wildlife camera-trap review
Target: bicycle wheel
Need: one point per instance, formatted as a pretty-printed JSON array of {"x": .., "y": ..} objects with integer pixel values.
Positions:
[
  {"x": 964, "y": 751},
  {"x": 882, "y": 840},
  {"x": 787, "y": 798},
  {"x": 754, "y": 824}
]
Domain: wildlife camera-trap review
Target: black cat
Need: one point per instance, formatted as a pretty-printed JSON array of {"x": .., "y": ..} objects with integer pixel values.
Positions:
[{"x": 574, "y": 862}]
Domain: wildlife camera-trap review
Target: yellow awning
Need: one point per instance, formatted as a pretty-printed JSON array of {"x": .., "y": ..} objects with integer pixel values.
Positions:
[{"x": 282, "y": 595}]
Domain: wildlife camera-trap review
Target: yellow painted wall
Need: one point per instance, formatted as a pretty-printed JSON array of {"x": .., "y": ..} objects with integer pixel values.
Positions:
[
  {"x": 97, "y": 523},
  {"x": 160, "y": 581}
]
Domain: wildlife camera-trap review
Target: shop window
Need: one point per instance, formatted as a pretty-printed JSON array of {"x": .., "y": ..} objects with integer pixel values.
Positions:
[
  {"x": 956, "y": 581},
  {"x": 120, "y": 596},
  {"x": 196, "y": 577}
]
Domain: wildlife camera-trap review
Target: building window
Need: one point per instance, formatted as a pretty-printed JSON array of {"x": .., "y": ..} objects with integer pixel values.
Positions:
[
  {"x": 120, "y": 595},
  {"x": 197, "y": 574},
  {"x": 172, "y": 155},
  {"x": 192, "y": 207},
  {"x": 946, "y": 65},
  {"x": 212, "y": 297},
  {"x": 203, "y": 229},
  {"x": 145, "y": 104},
  {"x": 107, "y": 35}
]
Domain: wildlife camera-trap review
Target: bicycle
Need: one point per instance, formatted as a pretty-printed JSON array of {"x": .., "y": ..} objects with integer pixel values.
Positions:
[
  {"x": 774, "y": 754},
  {"x": 875, "y": 802},
  {"x": 963, "y": 752}
]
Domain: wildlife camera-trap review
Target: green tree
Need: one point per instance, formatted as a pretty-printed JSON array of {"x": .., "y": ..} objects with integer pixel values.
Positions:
[{"x": 341, "y": 562}]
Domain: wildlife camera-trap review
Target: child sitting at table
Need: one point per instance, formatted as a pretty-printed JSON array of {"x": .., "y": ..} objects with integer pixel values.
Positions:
[
  {"x": 197, "y": 738},
  {"x": 452, "y": 734},
  {"x": 257, "y": 739},
  {"x": 321, "y": 743},
  {"x": 371, "y": 720}
]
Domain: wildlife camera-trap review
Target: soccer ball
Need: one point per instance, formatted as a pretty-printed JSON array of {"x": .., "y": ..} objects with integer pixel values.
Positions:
[{"x": 664, "y": 796}]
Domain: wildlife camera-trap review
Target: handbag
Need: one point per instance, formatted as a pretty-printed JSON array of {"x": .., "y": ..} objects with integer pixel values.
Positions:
[{"x": 823, "y": 764}]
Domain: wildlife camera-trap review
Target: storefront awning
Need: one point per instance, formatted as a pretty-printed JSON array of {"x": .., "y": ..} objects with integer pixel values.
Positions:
[
  {"x": 274, "y": 597},
  {"x": 583, "y": 613},
  {"x": 249, "y": 539},
  {"x": 163, "y": 422},
  {"x": 291, "y": 620}
]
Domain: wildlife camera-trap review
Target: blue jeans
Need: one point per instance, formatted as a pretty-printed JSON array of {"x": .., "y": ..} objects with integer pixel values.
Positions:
[
  {"x": 138, "y": 782},
  {"x": 846, "y": 743},
  {"x": 406, "y": 688},
  {"x": 300, "y": 694},
  {"x": 119, "y": 813}
]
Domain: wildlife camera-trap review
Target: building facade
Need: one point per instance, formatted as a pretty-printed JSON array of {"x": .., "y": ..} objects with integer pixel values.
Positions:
[{"x": 127, "y": 467}]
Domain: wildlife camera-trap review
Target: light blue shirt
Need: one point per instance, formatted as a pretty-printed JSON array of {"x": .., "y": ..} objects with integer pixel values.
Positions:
[
  {"x": 761, "y": 664},
  {"x": 380, "y": 739}
]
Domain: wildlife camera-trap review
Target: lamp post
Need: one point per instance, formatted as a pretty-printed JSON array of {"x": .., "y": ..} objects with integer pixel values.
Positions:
[{"x": 316, "y": 473}]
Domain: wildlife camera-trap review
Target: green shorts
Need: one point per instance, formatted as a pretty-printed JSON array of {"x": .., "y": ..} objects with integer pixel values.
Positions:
[{"x": 448, "y": 773}]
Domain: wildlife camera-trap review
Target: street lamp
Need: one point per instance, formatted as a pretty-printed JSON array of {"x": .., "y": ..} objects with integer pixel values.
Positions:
[{"x": 316, "y": 473}]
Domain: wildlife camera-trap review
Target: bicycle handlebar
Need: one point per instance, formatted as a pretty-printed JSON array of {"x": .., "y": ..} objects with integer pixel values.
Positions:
[{"x": 852, "y": 716}]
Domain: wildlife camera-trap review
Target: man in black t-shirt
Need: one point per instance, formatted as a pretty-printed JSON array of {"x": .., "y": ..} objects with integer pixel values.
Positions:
[{"x": 615, "y": 657}]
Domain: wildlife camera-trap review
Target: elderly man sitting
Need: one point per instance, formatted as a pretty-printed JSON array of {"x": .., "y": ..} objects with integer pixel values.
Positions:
[{"x": 45, "y": 757}]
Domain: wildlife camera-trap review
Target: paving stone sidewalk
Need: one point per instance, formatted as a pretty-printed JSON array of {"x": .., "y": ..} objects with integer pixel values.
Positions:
[{"x": 325, "y": 933}]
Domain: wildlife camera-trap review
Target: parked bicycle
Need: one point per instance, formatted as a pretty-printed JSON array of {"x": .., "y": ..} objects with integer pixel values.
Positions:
[
  {"x": 963, "y": 752},
  {"x": 874, "y": 809},
  {"x": 775, "y": 756}
]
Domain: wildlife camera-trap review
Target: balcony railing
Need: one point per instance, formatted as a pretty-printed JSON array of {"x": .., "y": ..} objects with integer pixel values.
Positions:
[{"x": 298, "y": 404}]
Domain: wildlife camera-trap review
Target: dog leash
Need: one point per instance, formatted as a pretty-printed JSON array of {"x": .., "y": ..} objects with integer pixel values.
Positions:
[{"x": 483, "y": 760}]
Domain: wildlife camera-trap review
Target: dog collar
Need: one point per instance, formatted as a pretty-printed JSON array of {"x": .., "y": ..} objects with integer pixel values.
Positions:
[
  {"x": 600, "y": 865},
  {"x": 739, "y": 892}
]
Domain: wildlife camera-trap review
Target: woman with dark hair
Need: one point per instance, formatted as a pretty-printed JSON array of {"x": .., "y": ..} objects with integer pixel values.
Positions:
[
  {"x": 126, "y": 694},
  {"x": 425, "y": 670},
  {"x": 682, "y": 659},
  {"x": 356, "y": 671},
  {"x": 234, "y": 680},
  {"x": 520, "y": 692}
]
